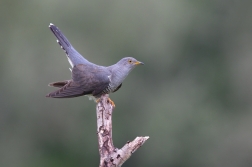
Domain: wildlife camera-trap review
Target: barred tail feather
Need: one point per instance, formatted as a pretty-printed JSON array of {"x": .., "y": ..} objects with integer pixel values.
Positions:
[
  {"x": 61, "y": 39},
  {"x": 73, "y": 56}
]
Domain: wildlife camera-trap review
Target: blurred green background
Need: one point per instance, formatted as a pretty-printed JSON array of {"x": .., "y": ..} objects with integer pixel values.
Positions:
[{"x": 192, "y": 96}]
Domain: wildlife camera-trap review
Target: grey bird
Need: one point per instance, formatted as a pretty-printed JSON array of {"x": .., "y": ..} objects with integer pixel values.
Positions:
[{"x": 89, "y": 78}]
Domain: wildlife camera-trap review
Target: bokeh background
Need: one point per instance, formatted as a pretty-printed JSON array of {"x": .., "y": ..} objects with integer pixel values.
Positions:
[{"x": 192, "y": 96}]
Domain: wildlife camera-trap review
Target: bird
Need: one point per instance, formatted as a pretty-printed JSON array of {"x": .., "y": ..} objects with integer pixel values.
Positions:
[{"x": 88, "y": 78}]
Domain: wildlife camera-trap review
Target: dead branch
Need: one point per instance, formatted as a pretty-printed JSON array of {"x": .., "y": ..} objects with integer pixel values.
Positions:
[{"x": 109, "y": 155}]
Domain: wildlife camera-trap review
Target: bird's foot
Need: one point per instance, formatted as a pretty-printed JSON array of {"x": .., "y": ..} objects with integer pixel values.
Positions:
[
  {"x": 111, "y": 102},
  {"x": 97, "y": 100}
]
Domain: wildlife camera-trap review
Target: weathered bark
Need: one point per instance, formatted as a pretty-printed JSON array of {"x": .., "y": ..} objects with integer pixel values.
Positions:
[{"x": 109, "y": 155}]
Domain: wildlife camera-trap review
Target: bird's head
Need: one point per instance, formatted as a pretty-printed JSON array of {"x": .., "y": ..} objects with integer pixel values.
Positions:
[
  {"x": 123, "y": 67},
  {"x": 129, "y": 62}
]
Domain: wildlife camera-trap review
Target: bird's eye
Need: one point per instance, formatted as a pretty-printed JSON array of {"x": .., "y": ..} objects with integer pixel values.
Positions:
[{"x": 130, "y": 61}]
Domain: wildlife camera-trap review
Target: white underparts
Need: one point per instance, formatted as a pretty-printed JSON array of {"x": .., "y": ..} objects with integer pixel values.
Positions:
[{"x": 90, "y": 97}]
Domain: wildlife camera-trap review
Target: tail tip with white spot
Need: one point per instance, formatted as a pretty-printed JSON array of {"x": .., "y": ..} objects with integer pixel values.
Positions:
[{"x": 51, "y": 24}]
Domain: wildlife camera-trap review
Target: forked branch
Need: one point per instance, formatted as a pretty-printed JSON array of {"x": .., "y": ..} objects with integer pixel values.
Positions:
[{"x": 109, "y": 155}]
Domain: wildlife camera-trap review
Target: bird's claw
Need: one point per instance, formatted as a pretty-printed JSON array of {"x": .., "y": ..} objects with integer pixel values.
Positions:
[{"x": 111, "y": 102}]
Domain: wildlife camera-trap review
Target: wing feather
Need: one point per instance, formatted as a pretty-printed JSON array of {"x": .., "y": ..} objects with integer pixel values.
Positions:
[
  {"x": 71, "y": 89},
  {"x": 92, "y": 78},
  {"x": 86, "y": 79}
]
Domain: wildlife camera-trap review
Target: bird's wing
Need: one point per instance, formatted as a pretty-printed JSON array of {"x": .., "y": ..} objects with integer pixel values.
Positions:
[
  {"x": 71, "y": 89},
  {"x": 93, "y": 79},
  {"x": 86, "y": 79},
  {"x": 73, "y": 56}
]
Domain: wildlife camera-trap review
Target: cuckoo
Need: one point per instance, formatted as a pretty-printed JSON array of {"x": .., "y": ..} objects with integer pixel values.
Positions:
[{"x": 88, "y": 78}]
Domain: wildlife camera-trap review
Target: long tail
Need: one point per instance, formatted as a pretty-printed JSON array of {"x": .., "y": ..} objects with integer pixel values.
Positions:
[
  {"x": 61, "y": 39},
  {"x": 73, "y": 56}
]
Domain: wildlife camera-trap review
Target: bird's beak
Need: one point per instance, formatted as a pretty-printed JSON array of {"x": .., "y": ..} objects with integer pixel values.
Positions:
[{"x": 139, "y": 63}]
